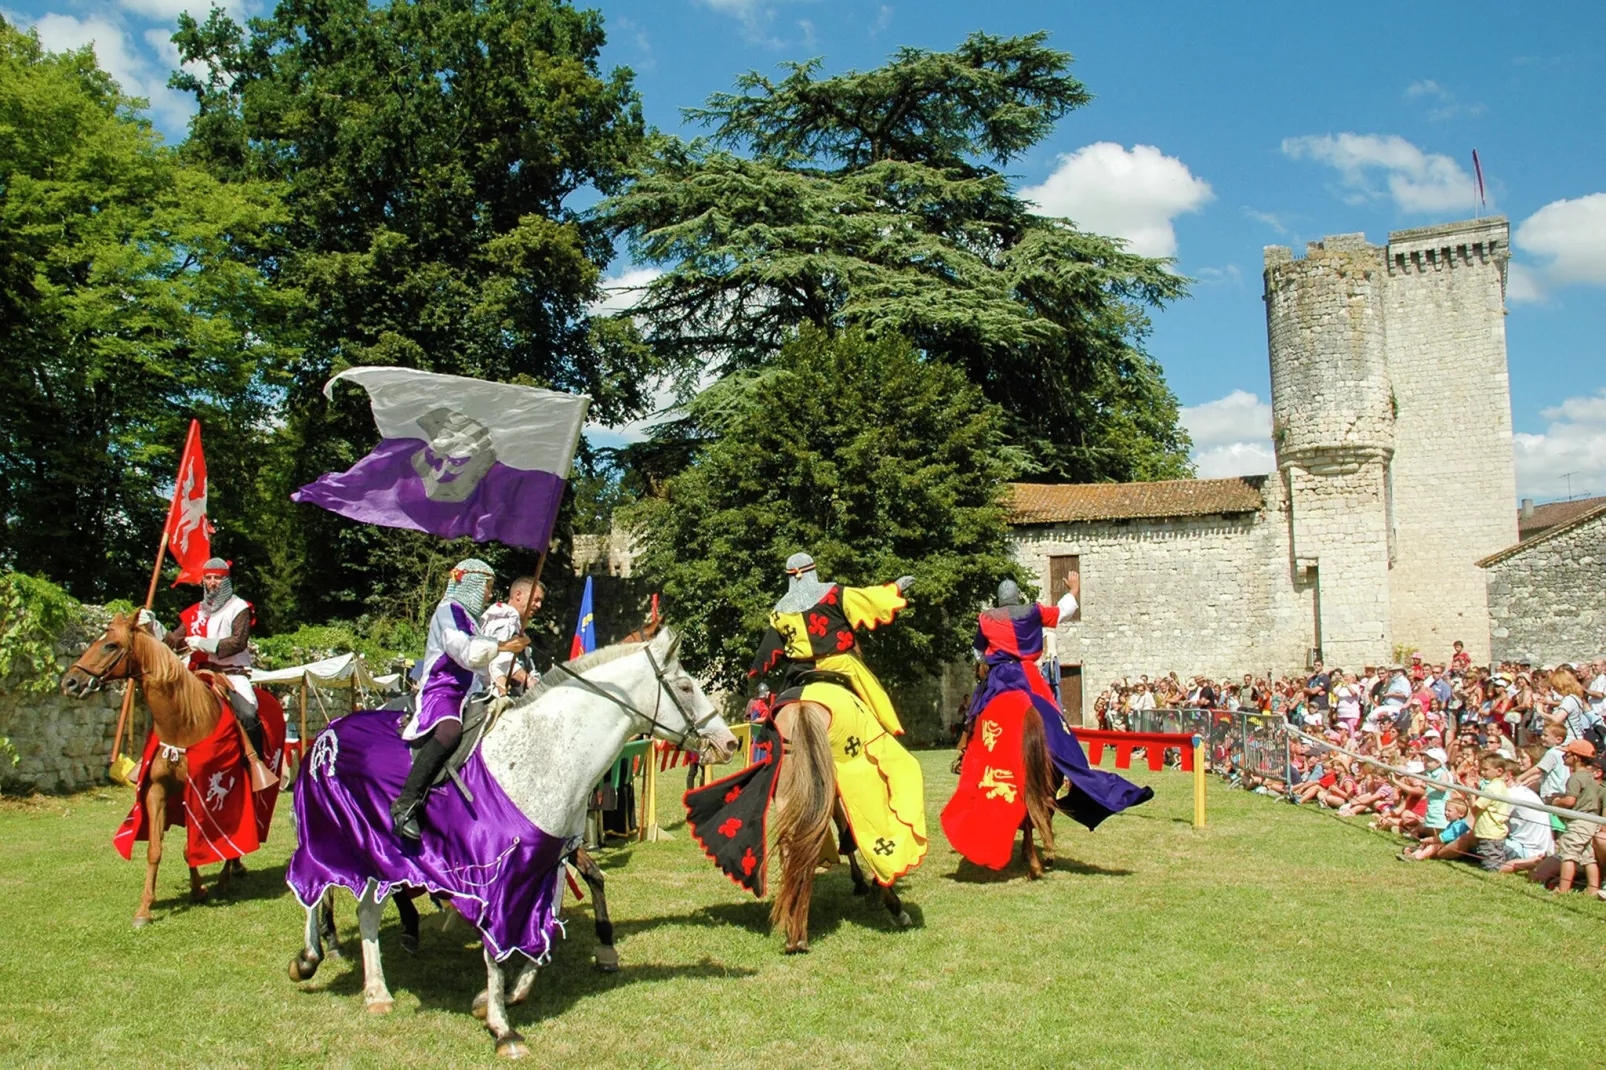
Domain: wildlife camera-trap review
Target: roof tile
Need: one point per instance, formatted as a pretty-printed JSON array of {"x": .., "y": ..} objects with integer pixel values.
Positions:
[{"x": 1062, "y": 503}]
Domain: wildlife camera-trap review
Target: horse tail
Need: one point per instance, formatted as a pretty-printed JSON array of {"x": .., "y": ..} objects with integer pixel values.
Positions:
[
  {"x": 1039, "y": 777},
  {"x": 804, "y": 797}
]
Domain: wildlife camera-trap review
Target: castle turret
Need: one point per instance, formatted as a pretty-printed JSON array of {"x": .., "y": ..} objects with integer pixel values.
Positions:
[
  {"x": 1455, "y": 489},
  {"x": 1333, "y": 428}
]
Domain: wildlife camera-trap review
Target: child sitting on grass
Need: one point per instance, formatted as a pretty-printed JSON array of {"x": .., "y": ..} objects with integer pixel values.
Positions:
[
  {"x": 1456, "y": 826},
  {"x": 1491, "y": 818},
  {"x": 1576, "y": 845}
]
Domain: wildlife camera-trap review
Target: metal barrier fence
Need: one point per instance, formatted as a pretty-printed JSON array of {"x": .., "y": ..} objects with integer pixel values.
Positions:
[{"x": 1236, "y": 742}]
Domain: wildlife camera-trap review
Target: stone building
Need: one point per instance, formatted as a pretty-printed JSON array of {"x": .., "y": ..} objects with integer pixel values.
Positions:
[
  {"x": 1392, "y": 427},
  {"x": 1547, "y": 594}
]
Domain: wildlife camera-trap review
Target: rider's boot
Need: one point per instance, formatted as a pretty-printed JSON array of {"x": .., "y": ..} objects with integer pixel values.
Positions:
[
  {"x": 428, "y": 758},
  {"x": 246, "y": 713}
]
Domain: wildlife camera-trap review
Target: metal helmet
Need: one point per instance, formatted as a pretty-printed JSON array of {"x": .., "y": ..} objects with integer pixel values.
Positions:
[
  {"x": 466, "y": 584},
  {"x": 804, "y": 587},
  {"x": 1009, "y": 593}
]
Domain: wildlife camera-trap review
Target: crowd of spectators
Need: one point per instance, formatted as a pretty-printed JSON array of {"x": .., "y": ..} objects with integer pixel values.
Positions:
[{"x": 1503, "y": 730}]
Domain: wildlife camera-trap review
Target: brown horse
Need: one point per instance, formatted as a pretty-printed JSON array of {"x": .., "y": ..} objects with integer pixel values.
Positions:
[
  {"x": 806, "y": 805},
  {"x": 184, "y": 711}
]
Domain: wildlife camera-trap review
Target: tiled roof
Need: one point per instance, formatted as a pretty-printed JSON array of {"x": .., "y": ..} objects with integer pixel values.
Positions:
[
  {"x": 1553, "y": 514},
  {"x": 1062, "y": 503},
  {"x": 1598, "y": 511}
]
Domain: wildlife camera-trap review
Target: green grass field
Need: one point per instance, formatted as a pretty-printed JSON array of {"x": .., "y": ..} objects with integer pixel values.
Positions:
[{"x": 1277, "y": 936}]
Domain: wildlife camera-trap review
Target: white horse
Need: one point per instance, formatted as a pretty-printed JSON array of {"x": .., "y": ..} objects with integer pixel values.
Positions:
[{"x": 547, "y": 752}]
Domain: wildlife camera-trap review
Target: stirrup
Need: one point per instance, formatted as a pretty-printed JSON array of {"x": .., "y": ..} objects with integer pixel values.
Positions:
[{"x": 404, "y": 821}]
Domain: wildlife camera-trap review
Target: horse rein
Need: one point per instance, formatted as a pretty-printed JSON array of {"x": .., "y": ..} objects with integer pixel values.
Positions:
[
  {"x": 100, "y": 677},
  {"x": 692, "y": 729}
]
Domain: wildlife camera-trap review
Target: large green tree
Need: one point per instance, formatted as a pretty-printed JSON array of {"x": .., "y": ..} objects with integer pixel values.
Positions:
[
  {"x": 129, "y": 291},
  {"x": 876, "y": 461},
  {"x": 436, "y": 155},
  {"x": 876, "y": 200}
]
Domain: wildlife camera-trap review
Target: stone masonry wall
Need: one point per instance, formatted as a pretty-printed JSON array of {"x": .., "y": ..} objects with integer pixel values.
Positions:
[
  {"x": 1548, "y": 602},
  {"x": 62, "y": 744},
  {"x": 1454, "y": 479},
  {"x": 1207, "y": 595},
  {"x": 1340, "y": 531}
]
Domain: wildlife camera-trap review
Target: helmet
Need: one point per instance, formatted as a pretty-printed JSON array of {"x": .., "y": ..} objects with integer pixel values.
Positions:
[{"x": 1009, "y": 593}]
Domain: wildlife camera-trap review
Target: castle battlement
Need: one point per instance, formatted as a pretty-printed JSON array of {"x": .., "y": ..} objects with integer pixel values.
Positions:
[{"x": 1424, "y": 249}]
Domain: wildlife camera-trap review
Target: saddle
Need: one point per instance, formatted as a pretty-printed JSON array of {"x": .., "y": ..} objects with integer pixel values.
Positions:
[
  {"x": 479, "y": 714},
  {"x": 799, "y": 678}
]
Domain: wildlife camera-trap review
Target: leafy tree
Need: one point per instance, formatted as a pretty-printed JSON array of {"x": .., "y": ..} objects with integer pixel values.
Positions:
[
  {"x": 875, "y": 200},
  {"x": 129, "y": 296},
  {"x": 875, "y": 461},
  {"x": 435, "y": 156}
]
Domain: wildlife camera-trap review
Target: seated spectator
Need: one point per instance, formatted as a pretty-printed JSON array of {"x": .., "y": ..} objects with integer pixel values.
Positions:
[
  {"x": 1456, "y": 828},
  {"x": 1530, "y": 840}
]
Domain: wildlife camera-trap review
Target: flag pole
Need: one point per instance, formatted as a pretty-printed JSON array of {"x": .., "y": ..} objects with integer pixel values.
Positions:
[{"x": 150, "y": 599}]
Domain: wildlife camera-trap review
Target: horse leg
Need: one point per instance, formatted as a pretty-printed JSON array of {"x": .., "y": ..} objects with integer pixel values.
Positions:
[
  {"x": 847, "y": 846},
  {"x": 156, "y": 827},
  {"x": 370, "y": 909},
  {"x": 305, "y": 963},
  {"x": 326, "y": 923},
  {"x": 1034, "y": 864},
  {"x": 409, "y": 920},
  {"x": 509, "y": 1044},
  {"x": 607, "y": 954},
  {"x": 900, "y": 916}
]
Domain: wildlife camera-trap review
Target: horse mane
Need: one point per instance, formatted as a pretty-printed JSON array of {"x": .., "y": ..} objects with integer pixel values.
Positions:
[
  {"x": 194, "y": 701},
  {"x": 578, "y": 666}
]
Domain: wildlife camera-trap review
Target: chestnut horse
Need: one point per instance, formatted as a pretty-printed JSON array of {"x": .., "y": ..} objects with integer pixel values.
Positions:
[
  {"x": 184, "y": 711},
  {"x": 806, "y": 806},
  {"x": 1041, "y": 790}
]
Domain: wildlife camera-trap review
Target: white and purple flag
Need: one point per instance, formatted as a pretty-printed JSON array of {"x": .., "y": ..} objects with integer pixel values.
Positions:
[{"x": 459, "y": 457}]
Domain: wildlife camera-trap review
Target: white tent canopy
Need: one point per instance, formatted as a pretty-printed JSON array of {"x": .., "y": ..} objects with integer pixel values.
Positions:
[{"x": 338, "y": 673}]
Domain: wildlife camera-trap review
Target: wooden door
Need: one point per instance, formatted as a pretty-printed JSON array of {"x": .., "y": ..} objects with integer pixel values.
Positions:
[{"x": 1061, "y": 568}]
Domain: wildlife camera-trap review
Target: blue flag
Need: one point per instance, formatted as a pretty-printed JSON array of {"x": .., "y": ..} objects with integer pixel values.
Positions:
[{"x": 585, "y": 629}]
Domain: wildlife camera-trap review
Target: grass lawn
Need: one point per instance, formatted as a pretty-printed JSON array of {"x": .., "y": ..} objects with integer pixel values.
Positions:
[{"x": 1277, "y": 936}]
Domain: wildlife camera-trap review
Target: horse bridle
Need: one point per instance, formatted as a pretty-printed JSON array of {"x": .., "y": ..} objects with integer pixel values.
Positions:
[
  {"x": 100, "y": 677},
  {"x": 694, "y": 728}
]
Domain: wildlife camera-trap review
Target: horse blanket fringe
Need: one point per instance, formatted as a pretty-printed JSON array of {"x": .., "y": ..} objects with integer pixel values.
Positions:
[
  {"x": 502, "y": 872},
  {"x": 223, "y": 817},
  {"x": 989, "y": 804},
  {"x": 729, "y": 818}
]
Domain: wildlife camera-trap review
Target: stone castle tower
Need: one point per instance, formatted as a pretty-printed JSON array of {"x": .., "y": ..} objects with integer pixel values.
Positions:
[{"x": 1391, "y": 416}]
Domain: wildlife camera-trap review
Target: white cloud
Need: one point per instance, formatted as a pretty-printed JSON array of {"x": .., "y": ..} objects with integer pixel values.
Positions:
[
  {"x": 1571, "y": 235},
  {"x": 623, "y": 291},
  {"x": 1271, "y": 219},
  {"x": 1133, "y": 194},
  {"x": 1428, "y": 88},
  {"x": 119, "y": 56},
  {"x": 1523, "y": 284},
  {"x": 756, "y": 18},
  {"x": 883, "y": 20},
  {"x": 1231, "y": 436},
  {"x": 1416, "y": 181},
  {"x": 1570, "y": 457}
]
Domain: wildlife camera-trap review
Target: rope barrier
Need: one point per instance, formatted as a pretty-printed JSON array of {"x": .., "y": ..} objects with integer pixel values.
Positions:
[{"x": 1452, "y": 785}]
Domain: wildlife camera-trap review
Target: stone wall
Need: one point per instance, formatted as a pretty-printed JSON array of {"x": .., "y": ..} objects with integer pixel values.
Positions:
[
  {"x": 1455, "y": 484},
  {"x": 1548, "y": 601},
  {"x": 62, "y": 744},
  {"x": 1211, "y": 595}
]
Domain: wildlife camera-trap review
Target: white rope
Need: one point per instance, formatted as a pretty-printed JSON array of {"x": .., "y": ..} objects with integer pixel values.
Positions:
[{"x": 1455, "y": 785}]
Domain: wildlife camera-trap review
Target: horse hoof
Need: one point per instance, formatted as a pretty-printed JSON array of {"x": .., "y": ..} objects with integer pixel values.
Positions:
[
  {"x": 409, "y": 943},
  {"x": 861, "y": 889},
  {"x": 302, "y": 967},
  {"x": 198, "y": 895},
  {"x": 141, "y": 920},
  {"x": 903, "y": 920},
  {"x": 380, "y": 1006},
  {"x": 481, "y": 1002},
  {"x": 800, "y": 948},
  {"x": 608, "y": 959},
  {"x": 512, "y": 1046}
]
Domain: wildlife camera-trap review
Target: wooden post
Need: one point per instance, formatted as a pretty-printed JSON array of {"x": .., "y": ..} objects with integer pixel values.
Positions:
[
  {"x": 303, "y": 713},
  {"x": 1198, "y": 782}
]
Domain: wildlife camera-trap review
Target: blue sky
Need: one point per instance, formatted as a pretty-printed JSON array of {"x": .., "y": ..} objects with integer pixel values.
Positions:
[{"x": 1215, "y": 130}]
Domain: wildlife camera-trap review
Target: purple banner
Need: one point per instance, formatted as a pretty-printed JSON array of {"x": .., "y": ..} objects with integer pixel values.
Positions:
[{"x": 404, "y": 483}]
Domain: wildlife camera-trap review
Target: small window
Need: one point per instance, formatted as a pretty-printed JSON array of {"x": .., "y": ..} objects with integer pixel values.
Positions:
[{"x": 1060, "y": 570}]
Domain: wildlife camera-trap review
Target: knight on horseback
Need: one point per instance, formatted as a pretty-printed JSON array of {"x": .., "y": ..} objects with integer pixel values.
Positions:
[
  {"x": 215, "y": 634},
  {"x": 1017, "y": 749},
  {"x": 457, "y": 662}
]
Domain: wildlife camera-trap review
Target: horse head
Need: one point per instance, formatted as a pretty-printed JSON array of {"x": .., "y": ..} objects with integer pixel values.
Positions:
[
  {"x": 110, "y": 657},
  {"x": 687, "y": 703}
]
